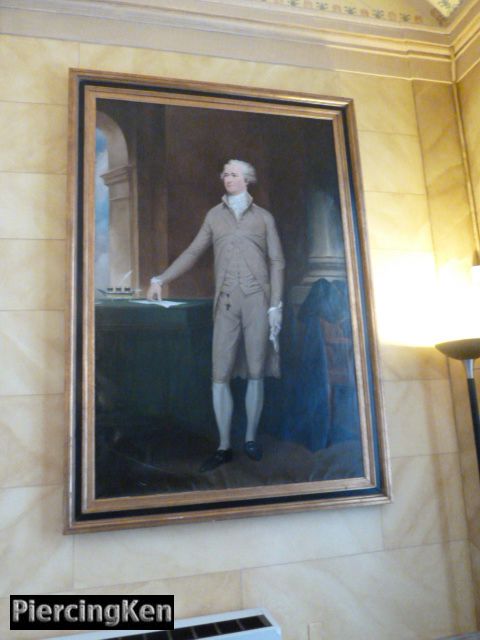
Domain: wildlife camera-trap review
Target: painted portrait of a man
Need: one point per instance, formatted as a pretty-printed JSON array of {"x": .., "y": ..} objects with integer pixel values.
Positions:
[
  {"x": 249, "y": 268},
  {"x": 229, "y": 362}
]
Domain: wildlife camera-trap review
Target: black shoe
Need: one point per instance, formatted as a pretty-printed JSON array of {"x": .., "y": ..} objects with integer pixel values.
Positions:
[
  {"x": 221, "y": 456},
  {"x": 253, "y": 450}
]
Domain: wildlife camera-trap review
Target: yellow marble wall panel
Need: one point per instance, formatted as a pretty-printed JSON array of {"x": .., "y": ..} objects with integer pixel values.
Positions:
[
  {"x": 32, "y": 434},
  {"x": 136, "y": 61},
  {"x": 452, "y": 226},
  {"x": 127, "y": 556},
  {"x": 439, "y": 137},
  {"x": 471, "y": 489},
  {"x": 398, "y": 221},
  {"x": 403, "y": 362},
  {"x": 469, "y": 96},
  {"x": 428, "y": 505},
  {"x": 318, "y": 82},
  {"x": 207, "y": 69},
  {"x": 381, "y": 104},
  {"x": 35, "y": 70},
  {"x": 405, "y": 297},
  {"x": 444, "y": 171},
  {"x": 34, "y": 138},
  {"x": 32, "y": 274},
  {"x": 33, "y": 206},
  {"x": 400, "y": 160},
  {"x": 447, "y": 194},
  {"x": 34, "y": 555},
  {"x": 422, "y": 592},
  {"x": 32, "y": 348},
  {"x": 420, "y": 418},
  {"x": 194, "y": 596}
]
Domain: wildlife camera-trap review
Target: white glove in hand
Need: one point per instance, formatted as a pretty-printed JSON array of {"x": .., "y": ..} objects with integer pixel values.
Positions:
[
  {"x": 275, "y": 322},
  {"x": 154, "y": 290}
]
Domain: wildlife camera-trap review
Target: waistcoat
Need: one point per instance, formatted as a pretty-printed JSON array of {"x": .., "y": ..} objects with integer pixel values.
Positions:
[{"x": 238, "y": 274}]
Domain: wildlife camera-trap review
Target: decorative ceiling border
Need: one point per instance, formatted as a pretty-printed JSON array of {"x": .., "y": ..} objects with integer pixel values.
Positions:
[
  {"x": 255, "y": 14},
  {"x": 253, "y": 31},
  {"x": 441, "y": 14}
]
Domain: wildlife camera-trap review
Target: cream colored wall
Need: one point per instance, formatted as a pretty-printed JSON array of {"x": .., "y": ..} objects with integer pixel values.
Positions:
[
  {"x": 454, "y": 244},
  {"x": 469, "y": 99},
  {"x": 399, "y": 571}
]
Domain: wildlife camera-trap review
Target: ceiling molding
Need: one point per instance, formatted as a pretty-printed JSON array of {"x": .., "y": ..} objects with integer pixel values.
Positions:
[
  {"x": 221, "y": 15},
  {"x": 215, "y": 27},
  {"x": 465, "y": 29},
  {"x": 466, "y": 12}
]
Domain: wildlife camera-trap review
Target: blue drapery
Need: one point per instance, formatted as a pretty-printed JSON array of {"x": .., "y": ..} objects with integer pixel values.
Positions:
[{"x": 320, "y": 395}]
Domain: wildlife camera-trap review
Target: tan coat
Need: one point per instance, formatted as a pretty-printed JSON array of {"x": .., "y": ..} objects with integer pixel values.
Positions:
[{"x": 256, "y": 236}]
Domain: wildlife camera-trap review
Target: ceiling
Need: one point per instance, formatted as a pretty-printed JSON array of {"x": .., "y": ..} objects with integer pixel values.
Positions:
[
  {"x": 425, "y": 33},
  {"x": 426, "y": 12},
  {"x": 347, "y": 15}
]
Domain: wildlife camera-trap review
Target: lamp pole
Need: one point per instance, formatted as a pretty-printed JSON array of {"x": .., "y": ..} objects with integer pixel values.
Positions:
[{"x": 467, "y": 351}]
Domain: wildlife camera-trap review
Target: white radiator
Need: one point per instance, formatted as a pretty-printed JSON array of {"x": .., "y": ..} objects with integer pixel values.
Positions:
[{"x": 249, "y": 624}]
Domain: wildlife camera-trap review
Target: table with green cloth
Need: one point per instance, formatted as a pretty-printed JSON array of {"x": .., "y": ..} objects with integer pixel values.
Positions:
[
  {"x": 152, "y": 361},
  {"x": 152, "y": 377}
]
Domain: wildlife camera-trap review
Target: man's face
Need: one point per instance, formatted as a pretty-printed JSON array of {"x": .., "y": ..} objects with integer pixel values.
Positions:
[{"x": 233, "y": 179}]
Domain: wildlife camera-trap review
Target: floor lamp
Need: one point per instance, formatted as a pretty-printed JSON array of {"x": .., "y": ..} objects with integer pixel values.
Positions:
[{"x": 467, "y": 351}]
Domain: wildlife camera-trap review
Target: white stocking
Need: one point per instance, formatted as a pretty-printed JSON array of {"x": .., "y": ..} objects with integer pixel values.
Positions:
[
  {"x": 253, "y": 406},
  {"x": 223, "y": 408}
]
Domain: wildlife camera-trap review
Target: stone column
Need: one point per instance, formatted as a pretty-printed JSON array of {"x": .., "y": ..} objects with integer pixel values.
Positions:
[
  {"x": 122, "y": 235},
  {"x": 325, "y": 245}
]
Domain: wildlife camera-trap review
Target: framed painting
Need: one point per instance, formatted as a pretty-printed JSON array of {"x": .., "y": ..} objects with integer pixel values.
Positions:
[{"x": 222, "y": 357}]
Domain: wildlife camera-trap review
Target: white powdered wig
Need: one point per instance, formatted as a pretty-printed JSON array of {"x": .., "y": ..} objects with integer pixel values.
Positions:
[{"x": 248, "y": 170}]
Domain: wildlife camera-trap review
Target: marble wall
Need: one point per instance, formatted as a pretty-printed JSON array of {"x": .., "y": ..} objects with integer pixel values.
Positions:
[
  {"x": 454, "y": 244},
  {"x": 400, "y": 571},
  {"x": 469, "y": 98},
  {"x": 469, "y": 101}
]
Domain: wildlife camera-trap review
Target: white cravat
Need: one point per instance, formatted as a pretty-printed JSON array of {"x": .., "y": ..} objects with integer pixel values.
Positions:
[{"x": 238, "y": 203}]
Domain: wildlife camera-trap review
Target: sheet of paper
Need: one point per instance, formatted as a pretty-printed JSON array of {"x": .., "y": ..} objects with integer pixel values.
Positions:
[{"x": 160, "y": 303}]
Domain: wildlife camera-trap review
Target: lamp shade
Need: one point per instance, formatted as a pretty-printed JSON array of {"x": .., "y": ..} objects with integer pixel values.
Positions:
[{"x": 467, "y": 349}]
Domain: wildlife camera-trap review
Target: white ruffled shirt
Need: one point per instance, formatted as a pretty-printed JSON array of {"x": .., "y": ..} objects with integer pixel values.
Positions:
[{"x": 238, "y": 203}]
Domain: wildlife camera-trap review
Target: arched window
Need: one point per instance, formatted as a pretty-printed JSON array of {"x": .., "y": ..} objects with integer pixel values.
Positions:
[
  {"x": 102, "y": 213},
  {"x": 116, "y": 260}
]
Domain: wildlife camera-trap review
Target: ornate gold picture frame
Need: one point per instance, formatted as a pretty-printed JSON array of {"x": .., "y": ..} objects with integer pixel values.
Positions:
[{"x": 150, "y": 197}]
